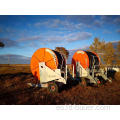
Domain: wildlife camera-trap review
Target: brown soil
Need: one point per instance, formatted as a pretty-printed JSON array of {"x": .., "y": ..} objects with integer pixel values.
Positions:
[{"x": 14, "y": 90}]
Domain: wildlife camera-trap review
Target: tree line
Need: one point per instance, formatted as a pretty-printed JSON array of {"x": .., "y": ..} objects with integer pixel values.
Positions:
[{"x": 106, "y": 51}]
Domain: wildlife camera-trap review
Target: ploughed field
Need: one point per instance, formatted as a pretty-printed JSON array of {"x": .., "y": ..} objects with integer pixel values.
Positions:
[{"x": 14, "y": 90}]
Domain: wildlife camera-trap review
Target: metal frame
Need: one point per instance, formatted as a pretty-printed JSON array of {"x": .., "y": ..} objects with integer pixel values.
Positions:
[
  {"x": 48, "y": 75},
  {"x": 92, "y": 74}
]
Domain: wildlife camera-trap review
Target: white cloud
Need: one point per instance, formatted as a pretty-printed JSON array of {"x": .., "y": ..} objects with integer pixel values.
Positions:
[
  {"x": 48, "y": 23},
  {"x": 60, "y": 24},
  {"x": 78, "y": 36},
  {"x": 71, "y": 37},
  {"x": 106, "y": 32},
  {"x": 8, "y": 42},
  {"x": 32, "y": 38},
  {"x": 55, "y": 39},
  {"x": 98, "y": 23},
  {"x": 118, "y": 31}
]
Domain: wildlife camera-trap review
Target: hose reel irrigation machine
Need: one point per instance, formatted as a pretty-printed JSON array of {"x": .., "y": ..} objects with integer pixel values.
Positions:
[
  {"x": 50, "y": 69},
  {"x": 87, "y": 66}
]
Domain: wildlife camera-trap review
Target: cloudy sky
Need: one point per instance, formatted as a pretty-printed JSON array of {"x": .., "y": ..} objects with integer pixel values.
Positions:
[{"x": 22, "y": 35}]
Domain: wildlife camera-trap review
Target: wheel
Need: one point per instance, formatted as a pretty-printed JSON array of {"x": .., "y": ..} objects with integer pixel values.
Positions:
[
  {"x": 52, "y": 87},
  {"x": 83, "y": 82}
]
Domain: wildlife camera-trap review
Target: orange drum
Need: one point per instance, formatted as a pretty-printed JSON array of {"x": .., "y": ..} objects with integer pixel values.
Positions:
[
  {"x": 85, "y": 58},
  {"x": 81, "y": 57},
  {"x": 43, "y": 55}
]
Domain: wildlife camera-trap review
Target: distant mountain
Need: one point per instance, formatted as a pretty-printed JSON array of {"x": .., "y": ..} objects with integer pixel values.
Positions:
[
  {"x": 14, "y": 59},
  {"x": 19, "y": 59}
]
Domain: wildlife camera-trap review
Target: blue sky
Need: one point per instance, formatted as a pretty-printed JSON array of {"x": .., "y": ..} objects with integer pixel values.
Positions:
[{"x": 23, "y": 35}]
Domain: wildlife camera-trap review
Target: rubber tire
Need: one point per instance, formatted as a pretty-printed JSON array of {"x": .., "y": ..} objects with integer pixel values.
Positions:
[{"x": 52, "y": 87}]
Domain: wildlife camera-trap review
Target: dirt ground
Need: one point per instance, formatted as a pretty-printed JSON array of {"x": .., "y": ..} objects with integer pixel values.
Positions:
[
  {"x": 14, "y": 68},
  {"x": 15, "y": 91}
]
